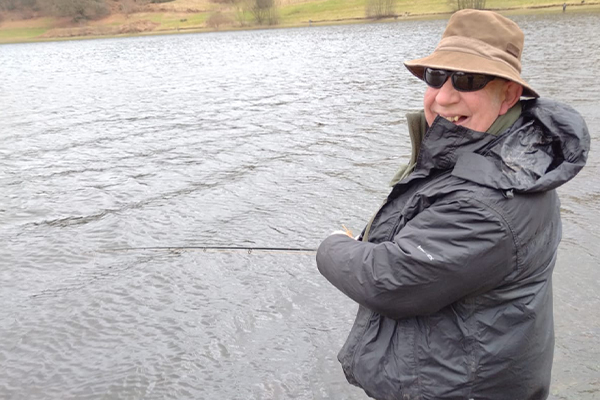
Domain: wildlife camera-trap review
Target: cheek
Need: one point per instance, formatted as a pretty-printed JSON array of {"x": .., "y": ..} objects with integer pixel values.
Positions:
[
  {"x": 483, "y": 117},
  {"x": 428, "y": 101}
]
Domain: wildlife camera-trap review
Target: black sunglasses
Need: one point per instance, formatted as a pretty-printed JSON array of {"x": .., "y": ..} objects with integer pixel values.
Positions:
[{"x": 461, "y": 81}]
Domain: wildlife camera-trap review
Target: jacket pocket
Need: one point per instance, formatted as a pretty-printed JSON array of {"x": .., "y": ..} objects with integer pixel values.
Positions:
[
  {"x": 347, "y": 354},
  {"x": 381, "y": 358}
]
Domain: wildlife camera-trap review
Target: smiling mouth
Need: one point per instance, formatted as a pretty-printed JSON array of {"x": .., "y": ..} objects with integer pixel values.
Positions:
[{"x": 457, "y": 119}]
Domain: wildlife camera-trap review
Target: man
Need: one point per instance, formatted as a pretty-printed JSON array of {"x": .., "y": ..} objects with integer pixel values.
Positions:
[{"x": 453, "y": 273}]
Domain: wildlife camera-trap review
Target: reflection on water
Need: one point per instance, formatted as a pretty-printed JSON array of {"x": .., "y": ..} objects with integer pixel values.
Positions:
[{"x": 263, "y": 138}]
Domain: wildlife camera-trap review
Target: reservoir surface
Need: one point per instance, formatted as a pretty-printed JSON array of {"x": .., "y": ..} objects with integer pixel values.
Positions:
[{"x": 266, "y": 138}]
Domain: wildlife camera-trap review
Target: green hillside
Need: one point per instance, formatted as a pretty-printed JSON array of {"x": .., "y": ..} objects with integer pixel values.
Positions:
[{"x": 26, "y": 20}]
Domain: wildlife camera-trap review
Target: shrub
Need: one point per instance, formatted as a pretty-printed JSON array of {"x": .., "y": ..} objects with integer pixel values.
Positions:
[
  {"x": 380, "y": 8},
  {"x": 217, "y": 19}
]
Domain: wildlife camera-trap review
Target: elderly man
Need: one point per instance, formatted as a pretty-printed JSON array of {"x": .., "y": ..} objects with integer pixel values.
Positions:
[{"x": 453, "y": 273}]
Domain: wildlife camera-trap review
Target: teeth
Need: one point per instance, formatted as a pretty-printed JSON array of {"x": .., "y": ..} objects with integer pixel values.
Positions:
[{"x": 452, "y": 119}]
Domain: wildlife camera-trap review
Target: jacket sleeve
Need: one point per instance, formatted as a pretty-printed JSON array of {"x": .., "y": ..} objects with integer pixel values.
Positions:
[{"x": 448, "y": 251}]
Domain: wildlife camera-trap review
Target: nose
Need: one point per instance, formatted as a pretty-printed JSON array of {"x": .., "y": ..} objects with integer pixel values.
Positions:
[{"x": 447, "y": 94}]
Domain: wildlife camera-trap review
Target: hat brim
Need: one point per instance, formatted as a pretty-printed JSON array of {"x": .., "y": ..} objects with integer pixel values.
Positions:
[{"x": 467, "y": 62}]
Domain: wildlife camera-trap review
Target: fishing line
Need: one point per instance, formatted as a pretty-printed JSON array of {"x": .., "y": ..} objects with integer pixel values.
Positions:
[{"x": 205, "y": 249}]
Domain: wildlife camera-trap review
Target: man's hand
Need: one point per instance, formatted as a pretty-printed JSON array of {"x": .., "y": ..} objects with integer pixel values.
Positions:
[{"x": 346, "y": 232}]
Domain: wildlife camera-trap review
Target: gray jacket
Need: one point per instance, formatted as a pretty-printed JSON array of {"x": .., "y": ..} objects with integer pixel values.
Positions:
[{"x": 454, "y": 285}]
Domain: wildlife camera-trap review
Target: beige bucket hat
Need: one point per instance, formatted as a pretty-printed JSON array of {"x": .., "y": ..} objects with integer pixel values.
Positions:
[{"x": 481, "y": 42}]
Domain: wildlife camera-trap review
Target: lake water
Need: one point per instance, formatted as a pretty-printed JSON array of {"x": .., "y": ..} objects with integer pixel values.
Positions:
[{"x": 258, "y": 138}]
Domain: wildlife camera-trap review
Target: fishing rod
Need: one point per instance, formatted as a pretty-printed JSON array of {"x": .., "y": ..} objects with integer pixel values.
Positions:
[{"x": 205, "y": 249}]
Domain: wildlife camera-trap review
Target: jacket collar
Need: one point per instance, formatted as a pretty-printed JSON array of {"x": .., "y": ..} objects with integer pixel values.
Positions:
[
  {"x": 546, "y": 147},
  {"x": 444, "y": 143}
]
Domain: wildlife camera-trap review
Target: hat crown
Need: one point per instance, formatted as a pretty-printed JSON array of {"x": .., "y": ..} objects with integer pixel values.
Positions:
[{"x": 490, "y": 28}]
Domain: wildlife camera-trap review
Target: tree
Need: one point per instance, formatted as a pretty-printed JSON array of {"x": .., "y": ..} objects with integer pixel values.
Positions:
[
  {"x": 12, "y": 5},
  {"x": 477, "y": 4},
  {"x": 380, "y": 8},
  {"x": 127, "y": 7},
  {"x": 79, "y": 9},
  {"x": 241, "y": 10},
  {"x": 264, "y": 12}
]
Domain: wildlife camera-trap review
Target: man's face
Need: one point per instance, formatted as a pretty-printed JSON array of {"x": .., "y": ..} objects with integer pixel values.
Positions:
[{"x": 475, "y": 110}]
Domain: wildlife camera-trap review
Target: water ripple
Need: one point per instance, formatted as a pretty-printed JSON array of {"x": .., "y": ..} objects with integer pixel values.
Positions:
[{"x": 266, "y": 138}]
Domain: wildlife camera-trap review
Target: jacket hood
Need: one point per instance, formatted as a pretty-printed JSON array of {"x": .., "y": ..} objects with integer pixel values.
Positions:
[{"x": 546, "y": 147}]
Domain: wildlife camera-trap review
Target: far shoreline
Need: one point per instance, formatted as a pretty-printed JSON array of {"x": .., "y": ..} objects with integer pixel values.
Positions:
[{"x": 579, "y": 8}]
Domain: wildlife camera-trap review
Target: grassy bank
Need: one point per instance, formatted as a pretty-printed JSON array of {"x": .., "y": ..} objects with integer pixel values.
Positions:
[{"x": 203, "y": 16}]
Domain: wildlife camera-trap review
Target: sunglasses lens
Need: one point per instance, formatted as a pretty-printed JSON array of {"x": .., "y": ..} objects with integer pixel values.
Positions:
[
  {"x": 435, "y": 77},
  {"x": 466, "y": 82}
]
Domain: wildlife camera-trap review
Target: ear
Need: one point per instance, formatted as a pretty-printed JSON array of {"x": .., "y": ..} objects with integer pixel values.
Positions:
[{"x": 511, "y": 93}]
